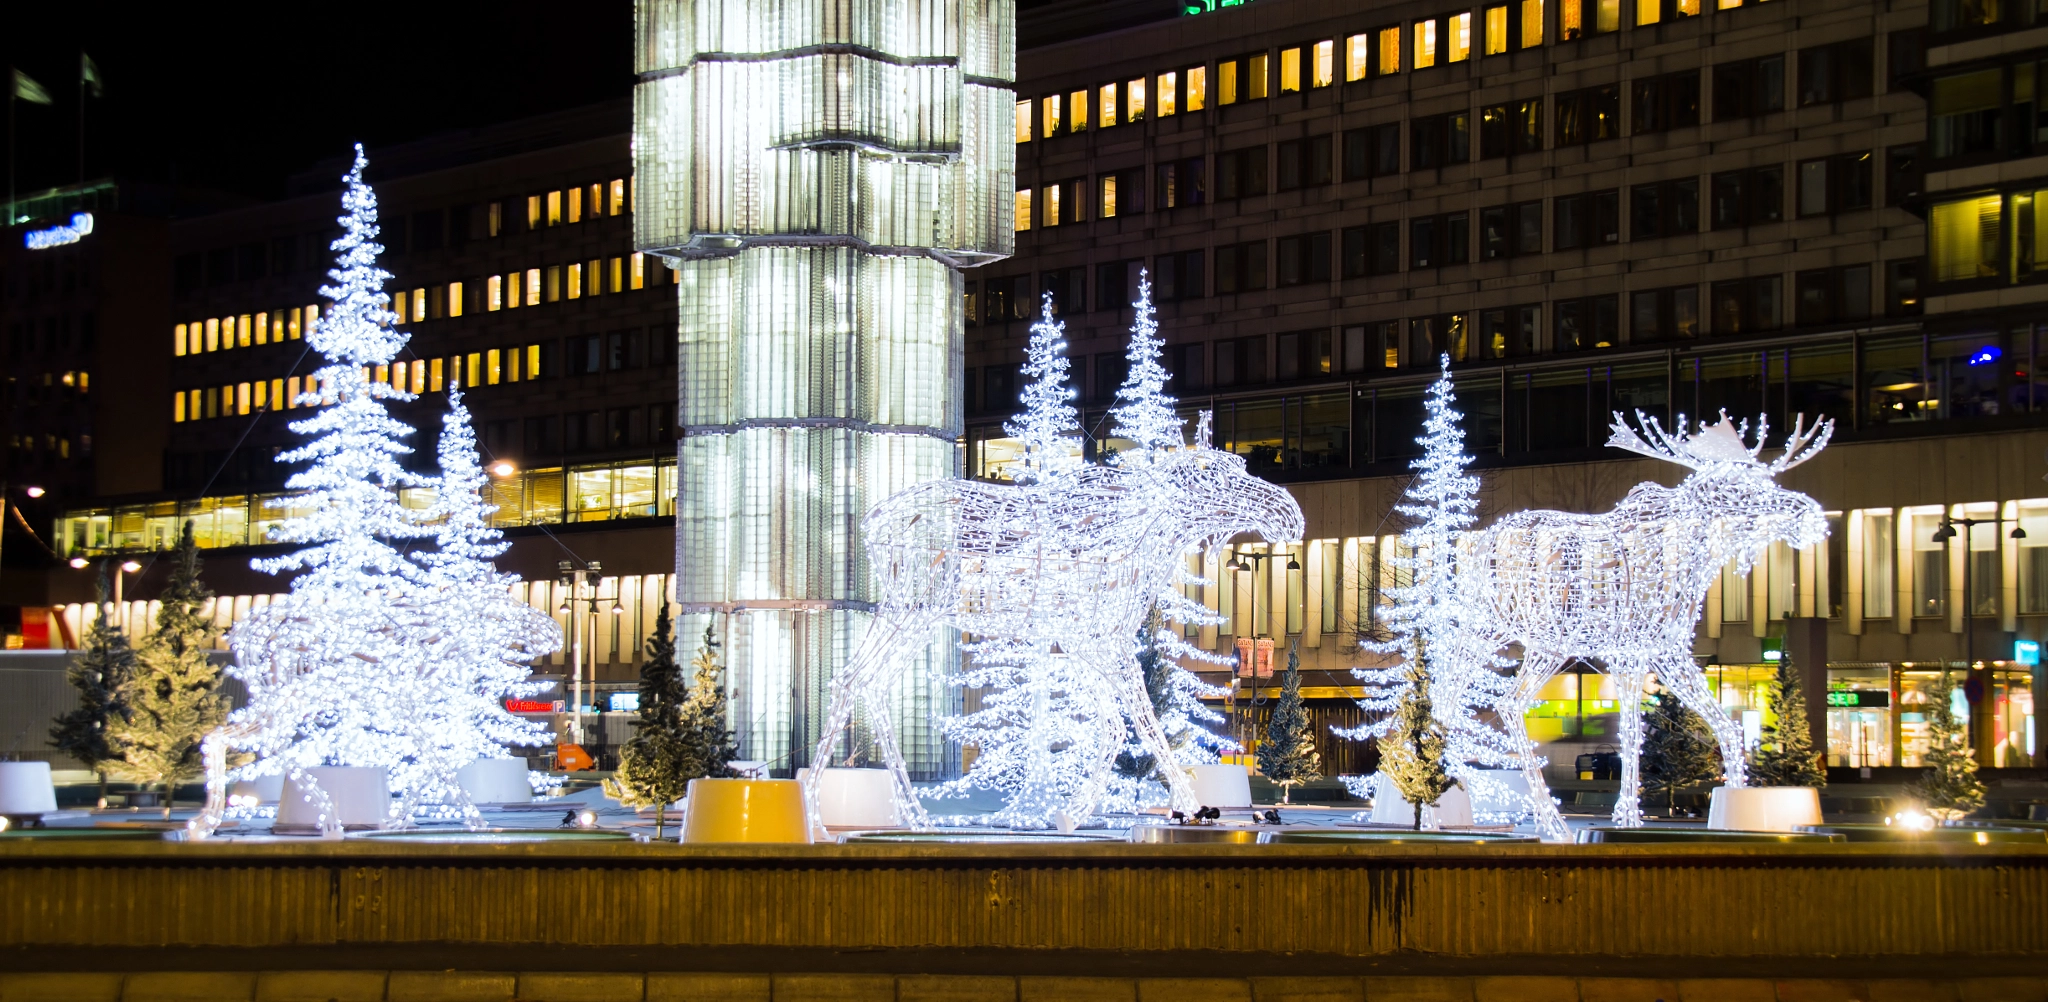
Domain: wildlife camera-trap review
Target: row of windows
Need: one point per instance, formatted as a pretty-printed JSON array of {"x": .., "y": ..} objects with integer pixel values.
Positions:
[
  {"x": 242, "y": 331},
  {"x": 1828, "y": 73},
  {"x": 1894, "y": 565}
]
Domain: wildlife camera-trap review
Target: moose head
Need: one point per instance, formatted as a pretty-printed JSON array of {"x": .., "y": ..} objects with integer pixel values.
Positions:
[
  {"x": 1214, "y": 496},
  {"x": 1730, "y": 485}
]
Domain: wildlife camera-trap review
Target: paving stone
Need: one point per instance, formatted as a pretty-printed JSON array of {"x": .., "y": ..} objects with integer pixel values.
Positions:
[
  {"x": 1821, "y": 990},
  {"x": 189, "y": 986},
  {"x": 955, "y": 988},
  {"x": 2005, "y": 989},
  {"x": 581, "y": 987},
  {"x": 1526, "y": 989},
  {"x": 450, "y": 986},
  {"x": 1077, "y": 990},
  {"x": 1186, "y": 989},
  {"x": 1307, "y": 990},
  {"x": 1902, "y": 990},
  {"x": 320, "y": 986},
  {"x": 835, "y": 988},
  {"x": 1418, "y": 990},
  {"x": 1628, "y": 990},
  {"x": 1726, "y": 990},
  {"x": 60, "y": 987},
  {"x": 671, "y": 987}
]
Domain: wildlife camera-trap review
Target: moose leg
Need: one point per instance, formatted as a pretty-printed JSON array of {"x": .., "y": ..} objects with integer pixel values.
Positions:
[
  {"x": 1628, "y": 809},
  {"x": 1683, "y": 677},
  {"x": 213, "y": 753},
  {"x": 1127, "y": 683},
  {"x": 1109, "y": 733},
  {"x": 909, "y": 810},
  {"x": 1537, "y": 669},
  {"x": 877, "y": 652}
]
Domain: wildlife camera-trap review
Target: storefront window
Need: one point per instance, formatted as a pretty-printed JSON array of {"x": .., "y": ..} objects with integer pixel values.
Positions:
[
  {"x": 1859, "y": 716},
  {"x": 2033, "y": 557},
  {"x": 1930, "y": 566}
]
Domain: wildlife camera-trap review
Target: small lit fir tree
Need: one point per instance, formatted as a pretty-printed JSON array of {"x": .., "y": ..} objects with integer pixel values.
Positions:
[
  {"x": 1289, "y": 755},
  {"x": 659, "y": 760},
  {"x": 175, "y": 700},
  {"x": 1679, "y": 751},
  {"x": 707, "y": 741},
  {"x": 101, "y": 672},
  {"x": 1413, "y": 749},
  {"x": 1144, "y": 413},
  {"x": 1038, "y": 734},
  {"x": 1048, "y": 423},
  {"x": 1950, "y": 787},
  {"x": 1786, "y": 755}
]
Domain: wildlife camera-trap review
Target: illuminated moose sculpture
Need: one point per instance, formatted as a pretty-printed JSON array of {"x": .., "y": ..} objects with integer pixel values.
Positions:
[
  {"x": 1076, "y": 561},
  {"x": 1626, "y": 586}
]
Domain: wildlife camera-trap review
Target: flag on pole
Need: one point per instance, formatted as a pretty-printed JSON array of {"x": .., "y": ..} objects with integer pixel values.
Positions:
[
  {"x": 89, "y": 75},
  {"x": 28, "y": 90}
]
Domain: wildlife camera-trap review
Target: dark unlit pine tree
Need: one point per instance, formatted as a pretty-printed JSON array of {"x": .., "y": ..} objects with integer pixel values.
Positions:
[
  {"x": 1289, "y": 755},
  {"x": 1414, "y": 746},
  {"x": 100, "y": 673},
  {"x": 1678, "y": 751},
  {"x": 174, "y": 699},
  {"x": 1950, "y": 787},
  {"x": 669, "y": 746},
  {"x": 1786, "y": 755}
]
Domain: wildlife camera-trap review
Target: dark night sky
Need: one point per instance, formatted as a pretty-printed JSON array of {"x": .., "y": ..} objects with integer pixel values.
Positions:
[{"x": 235, "y": 97}]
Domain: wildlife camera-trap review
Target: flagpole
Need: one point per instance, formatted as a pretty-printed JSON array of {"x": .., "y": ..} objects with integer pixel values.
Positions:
[{"x": 81, "y": 116}]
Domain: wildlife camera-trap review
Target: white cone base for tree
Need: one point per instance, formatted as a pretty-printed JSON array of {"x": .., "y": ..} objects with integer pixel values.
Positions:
[
  {"x": 361, "y": 796},
  {"x": 262, "y": 789},
  {"x": 858, "y": 798},
  {"x": 1452, "y": 810},
  {"x": 26, "y": 788},
  {"x": 1514, "y": 803},
  {"x": 495, "y": 781},
  {"x": 1763, "y": 808},
  {"x": 1221, "y": 785}
]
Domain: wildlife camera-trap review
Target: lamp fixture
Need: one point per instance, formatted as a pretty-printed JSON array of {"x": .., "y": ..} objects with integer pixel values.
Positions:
[
  {"x": 78, "y": 563},
  {"x": 131, "y": 566},
  {"x": 34, "y": 492}
]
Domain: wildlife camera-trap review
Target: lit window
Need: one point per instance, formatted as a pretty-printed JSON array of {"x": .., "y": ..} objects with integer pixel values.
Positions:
[
  {"x": 291, "y": 389},
  {"x": 1168, "y": 94},
  {"x": 245, "y": 330},
  {"x": 554, "y": 283},
  {"x": 1052, "y": 205},
  {"x": 1425, "y": 44},
  {"x": 1226, "y": 82},
  {"x": 497, "y": 218},
  {"x": 1023, "y": 209},
  {"x": 494, "y": 294},
  {"x": 1134, "y": 100},
  {"x": 380, "y": 374},
  {"x": 1496, "y": 30},
  {"x": 513, "y": 300},
  {"x": 575, "y": 281},
  {"x": 1460, "y": 40},
  {"x": 639, "y": 278},
  {"x": 1290, "y": 70},
  {"x": 1687, "y": 8},
  {"x": 512, "y": 357},
  {"x": 435, "y": 374},
  {"x": 419, "y": 305},
  {"x": 1023, "y": 121},
  {"x": 575, "y": 205},
  {"x": 193, "y": 404},
  {"x": 1108, "y": 199},
  {"x": 474, "y": 364},
  {"x": 533, "y": 286},
  {"x": 178, "y": 408},
  {"x": 1357, "y": 57},
  {"x": 1106, "y": 104},
  {"x": 301, "y": 328},
  {"x": 455, "y": 299},
  {"x": 618, "y": 196},
  {"x": 1049, "y": 108},
  {"x": 1963, "y": 239},
  {"x": 1198, "y": 88},
  {"x": 398, "y": 377},
  {"x": 554, "y": 208},
  {"x": 1324, "y": 72},
  {"x": 533, "y": 212},
  {"x": 593, "y": 278},
  {"x": 178, "y": 340},
  {"x": 1649, "y": 11},
  {"x": 533, "y": 361},
  {"x": 213, "y": 334},
  {"x": 277, "y": 398},
  {"x": 1390, "y": 51},
  {"x": 618, "y": 274},
  {"x": 1255, "y": 77},
  {"x": 262, "y": 328},
  {"x": 493, "y": 367},
  {"x": 262, "y": 395},
  {"x": 1077, "y": 111},
  {"x": 241, "y": 398}
]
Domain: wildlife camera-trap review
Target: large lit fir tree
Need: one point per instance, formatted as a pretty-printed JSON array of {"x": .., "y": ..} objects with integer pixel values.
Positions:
[
  {"x": 1289, "y": 755},
  {"x": 1786, "y": 756},
  {"x": 1424, "y": 629},
  {"x": 175, "y": 699},
  {"x": 1950, "y": 787},
  {"x": 100, "y": 673}
]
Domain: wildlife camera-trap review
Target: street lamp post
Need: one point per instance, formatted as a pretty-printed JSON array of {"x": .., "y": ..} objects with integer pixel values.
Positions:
[
  {"x": 1258, "y": 577},
  {"x": 584, "y": 585},
  {"x": 1981, "y": 708}
]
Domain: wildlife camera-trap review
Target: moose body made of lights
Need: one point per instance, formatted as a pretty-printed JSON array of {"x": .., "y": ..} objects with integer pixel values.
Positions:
[
  {"x": 1075, "y": 560},
  {"x": 1625, "y": 587}
]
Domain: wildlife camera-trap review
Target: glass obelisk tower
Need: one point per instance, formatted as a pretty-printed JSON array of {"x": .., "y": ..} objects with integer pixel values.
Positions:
[{"x": 817, "y": 172}]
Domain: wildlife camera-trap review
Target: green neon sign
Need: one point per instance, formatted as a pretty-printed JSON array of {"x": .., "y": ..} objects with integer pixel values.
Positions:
[{"x": 1206, "y": 6}]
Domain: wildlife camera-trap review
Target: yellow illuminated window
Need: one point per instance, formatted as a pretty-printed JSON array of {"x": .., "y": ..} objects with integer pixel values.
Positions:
[
  {"x": 302, "y": 328},
  {"x": 1649, "y": 11},
  {"x": 618, "y": 274},
  {"x": 1728, "y": 4},
  {"x": 178, "y": 407},
  {"x": 1425, "y": 44},
  {"x": 1106, "y": 106},
  {"x": 193, "y": 404},
  {"x": 1390, "y": 51},
  {"x": 554, "y": 282},
  {"x": 533, "y": 361},
  {"x": 212, "y": 334},
  {"x": 1687, "y": 8},
  {"x": 1290, "y": 70},
  {"x": 494, "y": 293},
  {"x": 435, "y": 375},
  {"x": 1460, "y": 41},
  {"x": 262, "y": 328},
  {"x": 419, "y": 305},
  {"x": 381, "y": 374},
  {"x": 245, "y": 328},
  {"x": 575, "y": 205},
  {"x": 533, "y": 212},
  {"x": 1023, "y": 209},
  {"x": 1226, "y": 82},
  {"x": 1052, "y": 205},
  {"x": 618, "y": 196},
  {"x": 1357, "y": 57},
  {"x": 262, "y": 395},
  {"x": 455, "y": 299},
  {"x": 1608, "y": 14},
  {"x": 1256, "y": 76},
  {"x": 474, "y": 364},
  {"x": 399, "y": 378},
  {"x": 291, "y": 389},
  {"x": 512, "y": 357},
  {"x": 1134, "y": 100},
  {"x": 496, "y": 216},
  {"x": 241, "y": 398},
  {"x": 1570, "y": 19},
  {"x": 493, "y": 367},
  {"x": 1496, "y": 30},
  {"x": 1323, "y": 72},
  {"x": 1108, "y": 199},
  {"x": 638, "y": 263},
  {"x": 178, "y": 340},
  {"x": 277, "y": 399},
  {"x": 513, "y": 300},
  {"x": 1532, "y": 23},
  {"x": 1962, "y": 239},
  {"x": 554, "y": 208},
  {"x": 533, "y": 286},
  {"x": 1198, "y": 88},
  {"x": 575, "y": 281},
  {"x": 593, "y": 277},
  {"x": 1168, "y": 94},
  {"x": 1049, "y": 109},
  {"x": 1077, "y": 111},
  {"x": 1023, "y": 121}
]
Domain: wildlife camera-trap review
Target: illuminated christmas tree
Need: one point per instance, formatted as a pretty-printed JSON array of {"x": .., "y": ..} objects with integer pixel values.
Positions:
[
  {"x": 175, "y": 700},
  {"x": 1289, "y": 755},
  {"x": 1950, "y": 787}
]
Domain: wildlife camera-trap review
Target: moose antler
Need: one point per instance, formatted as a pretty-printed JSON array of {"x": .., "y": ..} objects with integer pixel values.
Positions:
[
  {"x": 1804, "y": 443},
  {"x": 1725, "y": 441},
  {"x": 1204, "y": 430},
  {"x": 1666, "y": 445}
]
